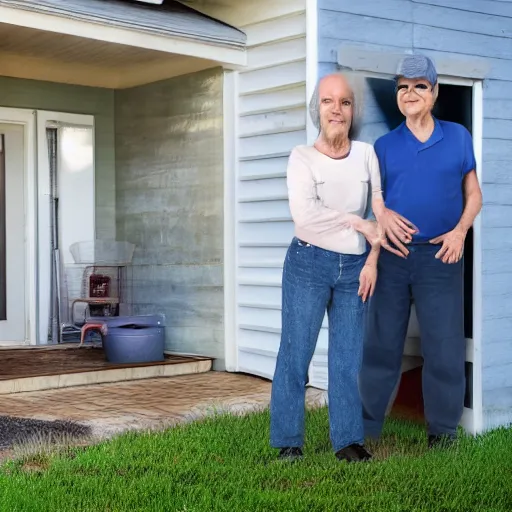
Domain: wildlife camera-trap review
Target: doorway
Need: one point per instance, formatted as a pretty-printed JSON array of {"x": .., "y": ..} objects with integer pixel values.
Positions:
[
  {"x": 70, "y": 215},
  {"x": 455, "y": 103},
  {"x": 25, "y": 245},
  {"x": 12, "y": 235}
]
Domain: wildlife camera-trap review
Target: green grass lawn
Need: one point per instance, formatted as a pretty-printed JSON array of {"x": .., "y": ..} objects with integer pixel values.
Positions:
[{"x": 226, "y": 464}]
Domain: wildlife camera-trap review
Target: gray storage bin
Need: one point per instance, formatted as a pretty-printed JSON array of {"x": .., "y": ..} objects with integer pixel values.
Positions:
[{"x": 133, "y": 339}]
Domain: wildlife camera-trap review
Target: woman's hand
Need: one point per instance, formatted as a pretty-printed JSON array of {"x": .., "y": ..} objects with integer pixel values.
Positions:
[
  {"x": 367, "y": 281},
  {"x": 369, "y": 229}
]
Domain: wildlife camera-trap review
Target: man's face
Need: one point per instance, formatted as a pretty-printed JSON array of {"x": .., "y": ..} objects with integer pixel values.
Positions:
[
  {"x": 336, "y": 107},
  {"x": 415, "y": 96}
]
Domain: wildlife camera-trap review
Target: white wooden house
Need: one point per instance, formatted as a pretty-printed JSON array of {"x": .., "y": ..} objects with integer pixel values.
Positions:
[
  {"x": 470, "y": 43},
  {"x": 192, "y": 114}
]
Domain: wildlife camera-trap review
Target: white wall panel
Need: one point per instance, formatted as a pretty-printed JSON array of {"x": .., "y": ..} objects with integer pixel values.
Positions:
[
  {"x": 271, "y": 211},
  {"x": 272, "y": 120},
  {"x": 263, "y": 168},
  {"x": 269, "y": 101},
  {"x": 282, "y": 75}
]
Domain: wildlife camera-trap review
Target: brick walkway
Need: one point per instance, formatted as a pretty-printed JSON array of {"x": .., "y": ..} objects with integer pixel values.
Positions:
[{"x": 151, "y": 403}]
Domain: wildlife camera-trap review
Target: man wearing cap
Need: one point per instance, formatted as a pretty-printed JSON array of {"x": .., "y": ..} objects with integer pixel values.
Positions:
[{"x": 431, "y": 198}]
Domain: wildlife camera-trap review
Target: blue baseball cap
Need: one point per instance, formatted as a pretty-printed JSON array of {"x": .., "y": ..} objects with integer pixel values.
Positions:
[{"x": 417, "y": 66}]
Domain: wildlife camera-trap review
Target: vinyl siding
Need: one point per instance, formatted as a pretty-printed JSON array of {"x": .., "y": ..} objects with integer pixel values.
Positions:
[
  {"x": 272, "y": 120},
  {"x": 474, "y": 30}
]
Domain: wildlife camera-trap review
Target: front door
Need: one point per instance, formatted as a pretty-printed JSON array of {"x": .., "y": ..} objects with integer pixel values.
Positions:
[{"x": 12, "y": 235}]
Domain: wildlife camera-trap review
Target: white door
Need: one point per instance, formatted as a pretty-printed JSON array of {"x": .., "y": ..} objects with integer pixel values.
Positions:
[{"x": 12, "y": 235}]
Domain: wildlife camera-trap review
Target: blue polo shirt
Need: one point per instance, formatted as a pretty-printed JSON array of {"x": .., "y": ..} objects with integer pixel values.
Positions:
[{"x": 423, "y": 180}]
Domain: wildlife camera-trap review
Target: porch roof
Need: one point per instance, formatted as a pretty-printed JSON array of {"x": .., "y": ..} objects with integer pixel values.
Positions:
[{"x": 168, "y": 19}]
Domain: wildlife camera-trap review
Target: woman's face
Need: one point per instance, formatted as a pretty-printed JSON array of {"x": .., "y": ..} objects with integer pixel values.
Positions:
[
  {"x": 336, "y": 108},
  {"x": 415, "y": 97}
]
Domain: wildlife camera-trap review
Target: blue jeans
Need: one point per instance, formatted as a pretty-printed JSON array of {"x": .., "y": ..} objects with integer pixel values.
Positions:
[
  {"x": 316, "y": 280},
  {"x": 437, "y": 290}
]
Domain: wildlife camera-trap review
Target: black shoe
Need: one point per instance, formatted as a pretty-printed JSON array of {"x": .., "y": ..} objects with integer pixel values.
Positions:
[
  {"x": 354, "y": 453},
  {"x": 441, "y": 440},
  {"x": 290, "y": 453}
]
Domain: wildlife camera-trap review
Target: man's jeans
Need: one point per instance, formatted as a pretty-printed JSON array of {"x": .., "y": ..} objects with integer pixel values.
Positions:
[
  {"x": 437, "y": 289},
  {"x": 315, "y": 280}
]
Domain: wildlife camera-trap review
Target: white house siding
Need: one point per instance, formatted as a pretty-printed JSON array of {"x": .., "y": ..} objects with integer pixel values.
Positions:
[
  {"x": 271, "y": 121},
  {"x": 473, "y": 30}
]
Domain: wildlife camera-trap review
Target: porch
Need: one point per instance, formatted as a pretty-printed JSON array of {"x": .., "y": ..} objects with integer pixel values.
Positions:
[
  {"x": 145, "y": 83},
  {"x": 67, "y": 365}
]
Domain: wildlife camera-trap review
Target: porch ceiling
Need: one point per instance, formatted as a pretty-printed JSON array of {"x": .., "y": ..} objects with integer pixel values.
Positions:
[
  {"x": 42, "y": 55},
  {"x": 79, "y": 49},
  {"x": 64, "y": 48}
]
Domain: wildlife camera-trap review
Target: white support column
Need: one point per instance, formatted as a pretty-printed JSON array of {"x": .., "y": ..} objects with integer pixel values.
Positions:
[
  {"x": 230, "y": 111},
  {"x": 311, "y": 62},
  {"x": 478, "y": 120}
]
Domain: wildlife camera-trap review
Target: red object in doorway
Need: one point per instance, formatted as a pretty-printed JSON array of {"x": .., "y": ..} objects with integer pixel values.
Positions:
[
  {"x": 409, "y": 399},
  {"x": 99, "y": 286}
]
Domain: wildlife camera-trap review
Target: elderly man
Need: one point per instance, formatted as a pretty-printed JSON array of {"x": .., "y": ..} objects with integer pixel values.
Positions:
[{"x": 432, "y": 197}]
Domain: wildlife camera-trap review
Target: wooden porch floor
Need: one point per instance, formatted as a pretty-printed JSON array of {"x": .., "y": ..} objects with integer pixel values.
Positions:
[{"x": 66, "y": 365}]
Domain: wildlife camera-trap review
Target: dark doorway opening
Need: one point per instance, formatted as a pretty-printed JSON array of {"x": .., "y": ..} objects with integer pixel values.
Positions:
[{"x": 455, "y": 103}]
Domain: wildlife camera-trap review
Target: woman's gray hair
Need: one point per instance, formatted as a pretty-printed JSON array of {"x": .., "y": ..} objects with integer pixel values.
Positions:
[{"x": 356, "y": 84}]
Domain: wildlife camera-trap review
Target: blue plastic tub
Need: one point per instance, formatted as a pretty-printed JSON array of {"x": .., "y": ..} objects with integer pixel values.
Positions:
[{"x": 133, "y": 339}]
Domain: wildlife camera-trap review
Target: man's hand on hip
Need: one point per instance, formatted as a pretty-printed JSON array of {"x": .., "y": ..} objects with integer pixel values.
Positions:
[{"x": 453, "y": 245}]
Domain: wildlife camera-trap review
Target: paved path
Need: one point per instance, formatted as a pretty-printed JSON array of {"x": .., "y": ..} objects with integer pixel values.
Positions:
[{"x": 108, "y": 409}]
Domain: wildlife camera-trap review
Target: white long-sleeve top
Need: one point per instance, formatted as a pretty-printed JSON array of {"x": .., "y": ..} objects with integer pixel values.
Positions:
[{"x": 325, "y": 193}]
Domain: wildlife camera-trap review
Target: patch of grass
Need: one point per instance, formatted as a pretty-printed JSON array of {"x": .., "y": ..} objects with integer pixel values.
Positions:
[
  {"x": 225, "y": 464},
  {"x": 46, "y": 444}
]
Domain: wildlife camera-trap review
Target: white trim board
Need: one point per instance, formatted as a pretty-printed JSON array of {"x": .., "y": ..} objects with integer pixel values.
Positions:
[
  {"x": 228, "y": 57},
  {"x": 363, "y": 60},
  {"x": 311, "y": 63},
  {"x": 88, "y": 218},
  {"x": 27, "y": 118},
  {"x": 443, "y": 79},
  {"x": 230, "y": 119},
  {"x": 478, "y": 120}
]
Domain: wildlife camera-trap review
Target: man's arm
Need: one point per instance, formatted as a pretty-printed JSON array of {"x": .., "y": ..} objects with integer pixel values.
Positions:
[
  {"x": 472, "y": 202},
  {"x": 453, "y": 241}
]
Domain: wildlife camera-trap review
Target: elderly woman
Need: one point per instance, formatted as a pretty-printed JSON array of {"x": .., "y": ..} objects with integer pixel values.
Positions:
[
  {"x": 429, "y": 177},
  {"x": 327, "y": 268}
]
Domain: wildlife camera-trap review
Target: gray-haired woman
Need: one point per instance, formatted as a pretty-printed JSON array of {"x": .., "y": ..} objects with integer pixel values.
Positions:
[{"x": 327, "y": 268}]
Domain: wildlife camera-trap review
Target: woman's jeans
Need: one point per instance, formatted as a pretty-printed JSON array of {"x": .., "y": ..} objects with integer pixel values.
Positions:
[{"x": 315, "y": 280}]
